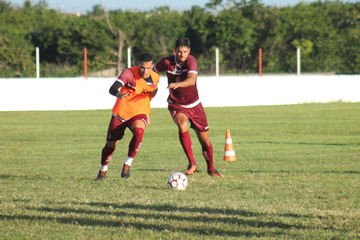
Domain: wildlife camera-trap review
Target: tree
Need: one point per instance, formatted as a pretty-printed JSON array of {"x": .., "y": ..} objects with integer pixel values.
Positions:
[
  {"x": 327, "y": 32},
  {"x": 18, "y": 53},
  {"x": 311, "y": 28},
  {"x": 236, "y": 37},
  {"x": 4, "y": 6},
  {"x": 200, "y": 30},
  {"x": 159, "y": 31},
  {"x": 97, "y": 10},
  {"x": 16, "y": 57},
  {"x": 120, "y": 25}
]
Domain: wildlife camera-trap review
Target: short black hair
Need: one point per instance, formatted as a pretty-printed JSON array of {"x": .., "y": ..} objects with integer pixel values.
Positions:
[
  {"x": 182, "y": 42},
  {"x": 145, "y": 57}
]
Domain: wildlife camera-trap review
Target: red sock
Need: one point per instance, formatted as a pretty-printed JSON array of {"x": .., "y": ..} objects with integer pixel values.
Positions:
[
  {"x": 135, "y": 142},
  {"x": 106, "y": 154},
  {"x": 208, "y": 154},
  {"x": 186, "y": 143}
]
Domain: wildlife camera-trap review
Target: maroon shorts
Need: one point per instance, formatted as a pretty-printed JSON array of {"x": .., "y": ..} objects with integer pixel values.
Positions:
[
  {"x": 117, "y": 127},
  {"x": 196, "y": 115}
]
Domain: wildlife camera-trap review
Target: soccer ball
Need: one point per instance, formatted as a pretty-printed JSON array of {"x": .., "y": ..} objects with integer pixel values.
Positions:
[{"x": 177, "y": 181}]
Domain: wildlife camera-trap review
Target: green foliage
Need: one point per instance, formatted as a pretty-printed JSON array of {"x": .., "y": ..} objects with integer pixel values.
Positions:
[
  {"x": 200, "y": 30},
  {"x": 296, "y": 176},
  {"x": 235, "y": 40},
  {"x": 159, "y": 30},
  {"x": 16, "y": 57},
  {"x": 4, "y": 6},
  {"x": 98, "y": 10},
  {"x": 317, "y": 29},
  {"x": 327, "y": 32},
  {"x": 80, "y": 33},
  {"x": 60, "y": 70}
]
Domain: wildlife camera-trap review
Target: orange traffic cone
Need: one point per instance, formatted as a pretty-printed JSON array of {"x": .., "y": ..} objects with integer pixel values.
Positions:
[{"x": 229, "y": 152}]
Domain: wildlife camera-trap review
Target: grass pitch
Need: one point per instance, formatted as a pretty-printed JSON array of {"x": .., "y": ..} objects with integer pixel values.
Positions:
[{"x": 297, "y": 176}]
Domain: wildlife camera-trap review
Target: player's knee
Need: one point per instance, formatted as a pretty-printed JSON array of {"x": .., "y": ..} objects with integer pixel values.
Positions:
[
  {"x": 138, "y": 132},
  {"x": 182, "y": 126},
  {"x": 111, "y": 144},
  {"x": 206, "y": 143}
]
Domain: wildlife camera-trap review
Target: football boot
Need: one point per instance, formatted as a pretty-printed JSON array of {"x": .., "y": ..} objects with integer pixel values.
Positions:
[
  {"x": 215, "y": 173},
  {"x": 125, "y": 173},
  {"x": 101, "y": 175},
  {"x": 191, "y": 169}
]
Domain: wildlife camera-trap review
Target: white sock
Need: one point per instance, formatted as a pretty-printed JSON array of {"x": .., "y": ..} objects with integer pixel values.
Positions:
[
  {"x": 103, "y": 167},
  {"x": 128, "y": 161}
]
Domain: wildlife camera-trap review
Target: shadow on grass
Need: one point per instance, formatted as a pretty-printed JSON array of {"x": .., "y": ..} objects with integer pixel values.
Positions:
[
  {"x": 201, "y": 221},
  {"x": 168, "y": 218},
  {"x": 137, "y": 225},
  {"x": 168, "y": 223},
  {"x": 25, "y": 177},
  {"x": 215, "y": 211}
]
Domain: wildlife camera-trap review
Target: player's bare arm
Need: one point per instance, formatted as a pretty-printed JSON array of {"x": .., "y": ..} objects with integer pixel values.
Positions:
[{"x": 189, "y": 81}]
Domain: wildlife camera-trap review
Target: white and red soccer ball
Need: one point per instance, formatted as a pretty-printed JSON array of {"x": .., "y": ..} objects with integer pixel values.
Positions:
[{"x": 177, "y": 181}]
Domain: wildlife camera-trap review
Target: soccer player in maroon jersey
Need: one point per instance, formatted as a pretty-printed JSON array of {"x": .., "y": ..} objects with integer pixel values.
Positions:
[{"x": 184, "y": 103}]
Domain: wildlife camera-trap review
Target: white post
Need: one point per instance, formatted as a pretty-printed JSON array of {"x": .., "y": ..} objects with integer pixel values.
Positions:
[
  {"x": 129, "y": 57},
  {"x": 298, "y": 61},
  {"x": 217, "y": 62},
  {"x": 37, "y": 62}
]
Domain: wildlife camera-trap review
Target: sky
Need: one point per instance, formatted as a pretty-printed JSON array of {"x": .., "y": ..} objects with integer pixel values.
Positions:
[{"x": 75, "y": 6}]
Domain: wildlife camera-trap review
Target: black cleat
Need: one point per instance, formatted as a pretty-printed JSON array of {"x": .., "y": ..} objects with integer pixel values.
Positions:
[
  {"x": 101, "y": 175},
  {"x": 125, "y": 173},
  {"x": 215, "y": 173}
]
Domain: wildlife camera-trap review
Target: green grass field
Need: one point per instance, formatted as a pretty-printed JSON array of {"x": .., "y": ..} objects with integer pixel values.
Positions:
[{"x": 297, "y": 176}]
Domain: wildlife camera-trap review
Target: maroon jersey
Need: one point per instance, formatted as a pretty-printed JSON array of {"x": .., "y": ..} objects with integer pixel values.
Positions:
[{"x": 177, "y": 73}]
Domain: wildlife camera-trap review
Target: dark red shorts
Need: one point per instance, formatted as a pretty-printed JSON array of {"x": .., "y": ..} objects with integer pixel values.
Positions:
[
  {"x": 196, "y": 115},
  {"x": 117, "y": 127}
]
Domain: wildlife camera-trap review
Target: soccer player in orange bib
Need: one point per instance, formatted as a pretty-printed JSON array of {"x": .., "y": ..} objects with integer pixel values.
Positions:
[
  {"x": 184, "y": 103},
  {"x": 134, "y": 89}
]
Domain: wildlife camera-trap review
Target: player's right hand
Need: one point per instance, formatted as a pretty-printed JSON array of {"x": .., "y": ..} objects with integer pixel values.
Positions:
[
  {"x": 173, "y": 86},
  {"x": 123, "y": 95}
]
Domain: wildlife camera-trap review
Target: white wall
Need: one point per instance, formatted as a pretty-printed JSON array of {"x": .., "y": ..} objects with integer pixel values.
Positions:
[{"x": 82, "y": 94}]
